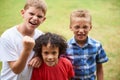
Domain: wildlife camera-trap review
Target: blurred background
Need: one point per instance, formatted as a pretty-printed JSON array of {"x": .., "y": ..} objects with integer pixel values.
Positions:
[{"x": 105, "y": 21}]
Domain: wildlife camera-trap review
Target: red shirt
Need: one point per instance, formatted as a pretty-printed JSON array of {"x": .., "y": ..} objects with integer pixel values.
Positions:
[{"x": 62, "y": 71}]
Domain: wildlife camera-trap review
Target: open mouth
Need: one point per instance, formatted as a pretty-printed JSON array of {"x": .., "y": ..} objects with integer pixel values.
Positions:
[
  {"x": 33, "y": 23},
  {"x": 81, "y": 35}
]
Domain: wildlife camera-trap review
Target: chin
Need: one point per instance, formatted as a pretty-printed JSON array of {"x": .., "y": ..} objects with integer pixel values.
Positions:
[
  {"x": 52, "y": 65},
  {"x": 80, "y": 39}
]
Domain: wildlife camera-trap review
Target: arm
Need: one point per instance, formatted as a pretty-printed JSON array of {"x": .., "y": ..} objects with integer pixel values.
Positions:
[
  {"x": 18, "y": 65},
  {"x": 100, "y": 72},
  {"x": 35, "y": 62}
]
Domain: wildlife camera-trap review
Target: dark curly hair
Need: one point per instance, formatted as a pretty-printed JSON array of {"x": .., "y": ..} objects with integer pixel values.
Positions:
[{"x": 55, "y": 40}]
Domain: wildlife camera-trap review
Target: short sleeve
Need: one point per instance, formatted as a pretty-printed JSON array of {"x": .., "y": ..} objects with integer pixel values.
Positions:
[
  {"x": 7, "y": 52},
  {"x": 70, "y": 68},
  {"x": 101, "y": 55}
]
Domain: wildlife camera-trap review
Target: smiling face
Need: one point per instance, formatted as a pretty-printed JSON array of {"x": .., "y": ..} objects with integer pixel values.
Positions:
[
  {"x": 33, "y": 17},
  {"x": 50, "y": 55},
  {"x": 80, "y": 28}
]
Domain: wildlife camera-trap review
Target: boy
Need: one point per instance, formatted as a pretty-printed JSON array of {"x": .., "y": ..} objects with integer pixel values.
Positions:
[
  {"x": 19, "y": 42},
  {"x": 49, "y": 47},
  {"x": 86, "y": 54}
]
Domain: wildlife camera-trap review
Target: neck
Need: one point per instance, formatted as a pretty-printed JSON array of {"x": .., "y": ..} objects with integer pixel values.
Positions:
[
  {"x": 81, "y": 43},
  {"x": 24, "y": 31}
]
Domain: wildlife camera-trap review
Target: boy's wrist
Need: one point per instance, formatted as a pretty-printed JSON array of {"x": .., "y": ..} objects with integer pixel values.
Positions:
[{"x": 26, "y": 51}]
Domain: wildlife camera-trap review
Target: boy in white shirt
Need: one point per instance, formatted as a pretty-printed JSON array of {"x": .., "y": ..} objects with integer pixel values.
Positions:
[{"x": 17, "y": 42}]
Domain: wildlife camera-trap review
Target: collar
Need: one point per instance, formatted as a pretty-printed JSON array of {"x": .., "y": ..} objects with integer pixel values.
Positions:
[{"x": 89, "y": 42}]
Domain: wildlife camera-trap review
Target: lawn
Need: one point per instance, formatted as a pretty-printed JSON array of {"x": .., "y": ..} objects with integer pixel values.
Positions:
[{"x": 105, "y": 21}]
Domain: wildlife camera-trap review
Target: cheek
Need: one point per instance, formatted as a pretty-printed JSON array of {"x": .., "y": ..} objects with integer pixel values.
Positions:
[
  {"x": 24, "y": 15},
  {"x": 75, "y": 32},
  {"x": 40, "y": 21},
  {"x": 86, "y": 32},
  {"x": 57, "y": 56},
  {"x": 26, "y": 18},
  {"x": 44, "y": 57}
]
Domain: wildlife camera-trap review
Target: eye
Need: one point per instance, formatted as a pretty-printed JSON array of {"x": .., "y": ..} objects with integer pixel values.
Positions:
[
  {"x": 76, "y": 27},
  {"x": 31, "y": 13},
  {"x": 40, "y": 16},
  {"x": 45, "y": 53},
  {"x": 54, "y": 52},
  {"x": 85, "y": 27}
]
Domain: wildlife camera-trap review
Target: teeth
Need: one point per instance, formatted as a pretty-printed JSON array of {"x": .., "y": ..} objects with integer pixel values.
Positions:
[{"x": 33, "y": 23}]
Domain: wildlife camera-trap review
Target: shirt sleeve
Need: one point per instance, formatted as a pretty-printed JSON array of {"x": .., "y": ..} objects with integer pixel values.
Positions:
[
  {"x": 70, "y": 69},
  {"x": 7, "y": 51},
  {"x": 101, "y": 55}
]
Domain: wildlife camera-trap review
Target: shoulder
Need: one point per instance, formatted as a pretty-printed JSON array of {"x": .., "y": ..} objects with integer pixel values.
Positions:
[
  {"x": 37, "y": 33},
  {"x": 65, "y": 61},
  {"x": 93, "y": 42},
  {"x": 10, "y": 29},
  {"x": 71, "y": 42},
  {"x": 9, "y": 32},
  {"x": 67, "y": 65}
]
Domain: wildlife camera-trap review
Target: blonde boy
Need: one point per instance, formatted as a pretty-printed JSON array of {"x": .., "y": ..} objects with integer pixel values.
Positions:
[
  {"x": 16, "y": 49},
  {"x": 87, "y": 54}
]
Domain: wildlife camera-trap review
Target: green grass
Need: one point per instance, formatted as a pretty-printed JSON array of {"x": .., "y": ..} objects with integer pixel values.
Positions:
[{"x": 106, "y": 24}]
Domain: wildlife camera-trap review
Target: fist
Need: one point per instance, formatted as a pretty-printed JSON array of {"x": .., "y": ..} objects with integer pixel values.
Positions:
[{"x": 28, "y": 43}]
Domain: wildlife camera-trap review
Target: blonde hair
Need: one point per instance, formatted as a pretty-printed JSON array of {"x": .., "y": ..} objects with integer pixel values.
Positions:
[
  {"x": 79, "y": 13},
  {"x": 39, "y": 4}
]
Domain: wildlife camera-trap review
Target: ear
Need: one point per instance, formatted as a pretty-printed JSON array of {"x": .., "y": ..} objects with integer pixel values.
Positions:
[
  {"x": 70, "y": 27},
  {"x": 90, "y": 27},
  {"x": 22, "y": 12},
  {"x": 44, "y": 19}
]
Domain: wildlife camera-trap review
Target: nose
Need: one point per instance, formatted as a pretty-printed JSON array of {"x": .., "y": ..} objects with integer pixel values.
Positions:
[
  {"x": 81, "y": 30},
  {"x": 35, "y": 17},
  {"x": 50, "y": 57}
]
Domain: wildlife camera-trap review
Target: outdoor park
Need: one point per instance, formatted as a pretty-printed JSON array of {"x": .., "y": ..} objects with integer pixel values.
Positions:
[{"x": 105, "y": 22}]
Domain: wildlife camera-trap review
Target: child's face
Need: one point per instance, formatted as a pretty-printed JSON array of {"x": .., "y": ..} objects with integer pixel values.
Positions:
[
  {"x": 80, "y": 28},
  {"x": 50, "y": 55},
  {"x": 33, "y": 17}
]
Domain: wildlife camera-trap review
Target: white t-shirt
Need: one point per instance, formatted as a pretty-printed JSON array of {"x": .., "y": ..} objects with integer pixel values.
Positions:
[{"x": 10, "y": 48}]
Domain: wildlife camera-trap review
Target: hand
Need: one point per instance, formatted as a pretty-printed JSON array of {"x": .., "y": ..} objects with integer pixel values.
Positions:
[
  {"x": 28, "y": 43},
  {"x": 35, "y": 62}
]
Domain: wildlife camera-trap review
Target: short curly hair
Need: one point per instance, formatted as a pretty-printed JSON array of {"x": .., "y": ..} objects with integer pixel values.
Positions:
[{"x": 55, "y": 40}]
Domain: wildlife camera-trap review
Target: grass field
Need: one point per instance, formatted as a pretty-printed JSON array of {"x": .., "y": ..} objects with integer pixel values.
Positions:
[{"x": 106, "y": 24}]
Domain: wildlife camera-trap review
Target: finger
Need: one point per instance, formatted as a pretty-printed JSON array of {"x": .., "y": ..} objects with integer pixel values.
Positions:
[{"x": 38, "y": 65}]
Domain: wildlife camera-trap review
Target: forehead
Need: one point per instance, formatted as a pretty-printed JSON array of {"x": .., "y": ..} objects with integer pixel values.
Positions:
[
  {"x": 80, "y": 21},
  {"x": 33, "y": 8},
  {"x": 50, "y": 47}
]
